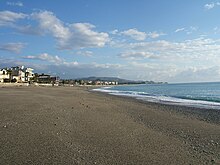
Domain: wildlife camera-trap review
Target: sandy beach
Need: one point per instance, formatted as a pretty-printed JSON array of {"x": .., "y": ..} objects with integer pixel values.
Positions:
[{"x": 73, "y": 125}]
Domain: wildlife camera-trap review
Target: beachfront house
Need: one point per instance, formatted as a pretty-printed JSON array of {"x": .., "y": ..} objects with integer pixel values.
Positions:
[
  {"x": 22, "y": 74},
  {"x": 47, "y": 79},
  {"x": 4, "y": 75}
]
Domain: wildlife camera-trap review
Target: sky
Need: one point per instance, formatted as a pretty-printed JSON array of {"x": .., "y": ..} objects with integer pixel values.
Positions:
[{"x": 172, "y": 41}]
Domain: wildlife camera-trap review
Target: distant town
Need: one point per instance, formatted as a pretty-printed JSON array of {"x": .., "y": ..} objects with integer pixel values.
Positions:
[{"x": 26, "y": 75}]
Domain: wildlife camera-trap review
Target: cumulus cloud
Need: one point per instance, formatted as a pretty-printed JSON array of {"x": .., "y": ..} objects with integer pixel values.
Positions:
[
  {"x": 114, "y": 31},
  {"x": 63, "y": 68},
  {"x": 135, "y": 34},
  {"x": 19, "y": 4},
  {"x": 51, "y": 24},
  {"x": 46, "y": 57},
  {"x": 209, "y": 6},
  {"x": 68, "y": 36},
  {"x": 155, "y": 34},
  {"x": 134, "y": 55},
  {"x": 71, "y": 36},
  {"x": 12, "y": 47},
  {"x": 54, "y": 59},
  {"x": 132, "y": 70},
  {"x": 83, "y": 36},
  {"x": 197, "y": 74},
  {"x": 28, "y": 29},
  {"x": 85, "y": 53},
  {"x": 138, "y": 35},
  {"x": 203, "y": 50},
  {"x": 8, "y": 17}
]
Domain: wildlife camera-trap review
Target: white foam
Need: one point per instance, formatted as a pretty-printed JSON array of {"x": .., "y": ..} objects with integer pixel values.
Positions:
[{"x": 162, "y": 99}]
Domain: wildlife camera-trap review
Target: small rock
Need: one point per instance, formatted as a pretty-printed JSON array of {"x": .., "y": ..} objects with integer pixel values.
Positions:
[
  {"x": 213, "y": 160},
  {"x": 5, "y": 126}
]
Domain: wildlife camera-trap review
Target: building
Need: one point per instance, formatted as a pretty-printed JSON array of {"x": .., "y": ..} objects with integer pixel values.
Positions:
[
  {"x": 4, "y": 75},
  {"x": 47, "y": 79},
  {"x": 18, "y": 74},
  {"x": 22, "y": 74}
]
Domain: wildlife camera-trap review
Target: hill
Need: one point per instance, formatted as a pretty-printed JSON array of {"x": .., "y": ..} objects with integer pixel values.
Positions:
[{"x": 119, "y": 80}]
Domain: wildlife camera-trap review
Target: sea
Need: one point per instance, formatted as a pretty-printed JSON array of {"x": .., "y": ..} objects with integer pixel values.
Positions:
[{"x": 201, "y": 95}]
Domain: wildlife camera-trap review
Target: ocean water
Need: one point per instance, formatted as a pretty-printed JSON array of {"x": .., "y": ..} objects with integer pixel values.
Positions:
[{"x": 202, "y": 95}]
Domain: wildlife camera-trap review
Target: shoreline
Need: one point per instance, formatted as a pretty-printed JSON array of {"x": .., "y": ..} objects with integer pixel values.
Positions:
[
  {"x": 203, "y": 114},
  {"x": 170, "y": 100},
  {"x": 73, "y": 125}
]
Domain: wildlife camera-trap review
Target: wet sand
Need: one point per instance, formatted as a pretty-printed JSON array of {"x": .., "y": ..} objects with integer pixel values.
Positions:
[{"x": 72, "y": 125}]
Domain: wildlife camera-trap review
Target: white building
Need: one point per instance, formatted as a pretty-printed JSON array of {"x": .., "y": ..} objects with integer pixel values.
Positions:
[
  {"x": 29, "y": 74},
  {"x": 22, "y": 74},
  {"x": 4, "y": 75}
]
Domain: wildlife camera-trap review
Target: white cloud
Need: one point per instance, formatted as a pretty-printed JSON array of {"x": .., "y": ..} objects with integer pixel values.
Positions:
[
  {"x": 53, "y": 59},
  {"x": 8, "y": 18},
  {"x": 83, "y": 36},
  {"x": 68, "y": 36},
  {"x": 28, "y": 29},
  {"x": 20, "y": 4},
  {"x": 114, "y": 32},
  {"x": 197, "y": 74},
  {"x": 85, "y": 53},
  {"x": 188, "y": 30},
  {"x": 12, "y": 47},
  {"x": 132, "y": 70},
  {"x": 134, "y": 55},
  {"x": 46, "y": 57},
  {"x": 71, "y": 36},
  {"x": 50, "y": 23},
  {"x": 200, "y": 51},
  {"x": 106, "y": 66},
  {"x": 155, "y": 34},
  {"x": 216, "y": 30},
  {"x": 191, "y": 29},
  {"x": 210, "y": 6},
  {"x": 135, "y": 34},
  {"x": 138, "y": 35},
  {"x": 179, "y": 30}
]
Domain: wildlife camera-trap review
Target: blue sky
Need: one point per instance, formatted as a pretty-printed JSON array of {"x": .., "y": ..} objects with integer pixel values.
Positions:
[{"x": 174, "y": 41}]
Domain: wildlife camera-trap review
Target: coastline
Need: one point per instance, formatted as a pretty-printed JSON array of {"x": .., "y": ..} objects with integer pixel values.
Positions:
[
  {"x": 75, "y": 125},
  {"x": 203, "y": 114}
]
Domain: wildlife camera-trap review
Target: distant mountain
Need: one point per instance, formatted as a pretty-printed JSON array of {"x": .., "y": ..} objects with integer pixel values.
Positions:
[{"x": 119, "y": 80}]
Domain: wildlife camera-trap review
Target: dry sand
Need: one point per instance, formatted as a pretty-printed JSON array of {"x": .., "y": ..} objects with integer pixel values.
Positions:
[{"x": 71, "y": 125}]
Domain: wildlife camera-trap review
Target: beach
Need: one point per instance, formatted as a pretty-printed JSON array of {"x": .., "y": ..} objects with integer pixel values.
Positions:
[{"x": 74, "y": 125}]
